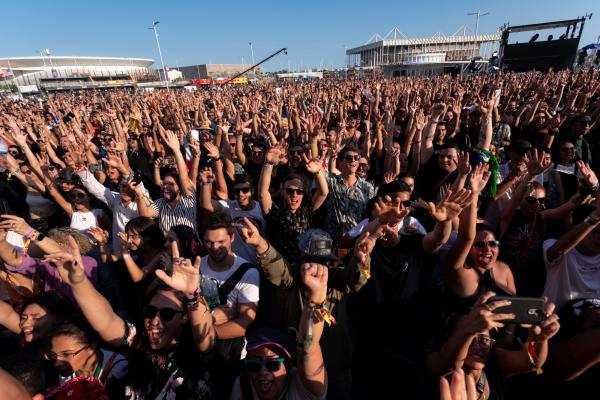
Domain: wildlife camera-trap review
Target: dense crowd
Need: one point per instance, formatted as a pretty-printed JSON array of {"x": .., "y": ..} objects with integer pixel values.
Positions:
[{"x": 335, "y": 239}]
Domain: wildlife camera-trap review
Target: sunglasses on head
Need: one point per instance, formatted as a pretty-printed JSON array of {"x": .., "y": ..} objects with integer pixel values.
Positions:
[
  {"x": 291, "y": 191},
  {"x": 532, "y": 200},
  {"x": 480, "y": 244},
  {"x": 166, "y": 314},
  {"x": 244, "y": 190},
  {"x": 350, "y": 158},
  {"x": 273, "y": 365}
]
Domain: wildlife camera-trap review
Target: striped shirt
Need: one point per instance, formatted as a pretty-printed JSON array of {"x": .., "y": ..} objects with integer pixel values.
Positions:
[{"x": 184, "y": 212}]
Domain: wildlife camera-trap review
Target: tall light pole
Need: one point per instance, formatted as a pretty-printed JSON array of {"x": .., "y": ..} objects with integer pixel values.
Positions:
[
  {"x": 251, "y": 52},
  {"x": 478, "y": 14},
  {"x": 153, "y": 27}
]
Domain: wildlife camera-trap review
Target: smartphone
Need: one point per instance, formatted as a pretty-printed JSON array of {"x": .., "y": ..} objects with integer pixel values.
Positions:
[
  {"x": 527, "y": 310},
  {"x": 137, "y": 177}
]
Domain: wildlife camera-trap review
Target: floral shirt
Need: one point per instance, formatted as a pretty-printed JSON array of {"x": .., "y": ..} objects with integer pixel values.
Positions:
[
  {"x": 346, "y": 205},
  {"x": 284, "y": 228}
]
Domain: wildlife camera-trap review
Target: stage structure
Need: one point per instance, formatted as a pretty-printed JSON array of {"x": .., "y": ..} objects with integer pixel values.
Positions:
[
  {"x": 557, "y": 52},
  {"x": 398, "y": 55}
]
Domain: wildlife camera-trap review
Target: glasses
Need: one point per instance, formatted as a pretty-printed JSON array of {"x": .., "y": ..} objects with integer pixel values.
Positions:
[
  {"x": 350, "y": 158},
  {"x": 166, "y": 314},
  {"x": 64, "y": 355},
  {"x": 244, "y": 190},
  {"x": 51, "y": 168},
  {"x": 363, "y": 165},
  {"x": 484, "y": 340},
  {"x": 291, "y": 191},
  {"x": 273, "y": 364},
  {"x": 586, "y": 122},
  {"x": 407, "y": 203},
  {"x": 532, "y": 200},
  {"x": 296, "y": 152},
  {"x": 568, "y": 149},
  {"x": 78, "y": 195},
  {"x": 13, "y": 153},
  {"x": 480, "y": 244},
  {"x": 27, "y": 172}
]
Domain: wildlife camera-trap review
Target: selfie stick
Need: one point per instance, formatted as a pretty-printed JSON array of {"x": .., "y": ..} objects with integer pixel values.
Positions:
[{"x": 257, "y": 64}]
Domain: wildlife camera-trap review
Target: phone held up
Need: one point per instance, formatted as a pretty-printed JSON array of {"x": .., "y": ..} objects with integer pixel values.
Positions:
[{"x": 527, "y": 310}]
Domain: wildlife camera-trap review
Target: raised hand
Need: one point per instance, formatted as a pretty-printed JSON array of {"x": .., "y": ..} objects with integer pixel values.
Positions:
[
  {"x": 312, "y": 165},
  {"x": 588, "y": 175},
  {"x": 482, "y": 318},
  {"x": 68, "y": 263},
  {"x": 461, "y": 387},
  {"x": 185, "y": 276},
  {"x": 170, "y": 139},
  {"x": 274, "y": 155},
  {"x": 389, "y": 213},
  {"x": 389, "y": 176},
  {"x": 451, "y": 205},
  {"x": 250, "y": 233},
  {"x": 538, "y": 163},
  {"x": 100, "y": 235},
  {"x": 13, "y": 223},
  {"x": 548, "y": 327},
  {"x": 212, "y": 150},
  {"x": 464, "y": 167},
  {"x": 207, "y": 176},
  {"x": 314, "y": 277},
  {"x": 364, "y": 246},
  {"x": 479, "y": 178}
]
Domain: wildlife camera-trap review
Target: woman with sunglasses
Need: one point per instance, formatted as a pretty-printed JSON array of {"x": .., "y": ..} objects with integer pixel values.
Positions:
[
  {"x": 471, "y": 265},
  {"x": 74, "y": 349},
  {"x": 563, "y": 176},
  {"x": 166, "y": 350}
]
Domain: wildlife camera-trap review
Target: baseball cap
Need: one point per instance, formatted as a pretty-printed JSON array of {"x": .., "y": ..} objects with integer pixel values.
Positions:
[
  {"x": 271, "y": 337},
  {"x": 315, "y": 245},
  {"x": 67, "y": 175}
]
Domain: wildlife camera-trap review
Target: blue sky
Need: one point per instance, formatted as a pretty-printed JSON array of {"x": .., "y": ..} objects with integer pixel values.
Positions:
[{"x": 195, "y": 32}]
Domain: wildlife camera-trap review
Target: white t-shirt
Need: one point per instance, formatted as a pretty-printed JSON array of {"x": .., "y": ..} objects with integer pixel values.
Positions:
[
  {"x": 571, "y": 276},
  {"x": 255, "y": 215},
  {"x": 82, "y": 221},
  {"x": 245, "y": 291},
  {"x": 295, "y": 389}
]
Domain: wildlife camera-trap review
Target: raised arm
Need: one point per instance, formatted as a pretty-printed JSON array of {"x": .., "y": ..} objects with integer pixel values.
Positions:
[
  {"x": 314, "y": 166},
  {"x": 172, "y": 141},
  {"x": 310, "y": 364},
  {"x": 272, "y": 158},
  {"x": 9, "y": 318},
  {"x": 429, "y": 132},
  {"x": 96, "y": 309}
]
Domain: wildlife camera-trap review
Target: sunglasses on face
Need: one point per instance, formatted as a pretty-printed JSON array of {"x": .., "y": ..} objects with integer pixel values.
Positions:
[
  {"x": 166, "y": 314},
  {"x": 351, "y": 158},
  {"x": 568, "y": 149},
  {"x": 244, "y": 190},
  {"x": 27, "y": 172},
  {"x": 291, "y": 191},
  {"x": 51, "y": 168},
  {"x": 532, "y": 200},
  {"x": 480, "y": 244},
  {"x": 272, "y": 365},
  {"x": 586, "y": 122},
  {"x": 77, "y": 195},
  {"x": 13, "y": 153},
  {"x": 363, "y": 165},
  {"x": 296, "y": 152}
]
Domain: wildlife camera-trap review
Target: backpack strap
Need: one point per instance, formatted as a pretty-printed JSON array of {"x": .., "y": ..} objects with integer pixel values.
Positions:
[{"x": 233, "y": 280}]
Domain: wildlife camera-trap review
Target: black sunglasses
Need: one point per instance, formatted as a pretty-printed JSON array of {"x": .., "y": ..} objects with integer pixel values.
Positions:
[
  {"x": 532, "y": 200},
  {"x": 568, "y": 149},
  {"x": 242, "y": 189},
  {"x": 272, "y": 365},
  {"x": 351, "y": 158},
  {"x": 296, "y": 152},
  {"x": 166, "y": 314},
  {"x": 480, "y": 244},
  {"x": 291, "y": 191},
  {"x": 78, "y": 195}
]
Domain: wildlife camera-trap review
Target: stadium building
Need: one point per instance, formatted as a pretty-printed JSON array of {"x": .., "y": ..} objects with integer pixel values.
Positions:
[
  {"x": 68, "y": 72},
  {"x": 213, "y": 71},
  {"x": 397, "y": 55}
]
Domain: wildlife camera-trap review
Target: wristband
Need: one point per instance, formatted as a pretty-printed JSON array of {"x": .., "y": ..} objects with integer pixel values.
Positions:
[
  {"x": 590, "y": 220},
  {"x": 194, "y": 295},
  {"x": 29, "y": 233},
  {"x": 269, "y": 165}
]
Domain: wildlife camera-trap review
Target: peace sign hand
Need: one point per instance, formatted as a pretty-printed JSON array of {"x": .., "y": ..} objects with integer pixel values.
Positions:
[{"x": 185, "y": 277}]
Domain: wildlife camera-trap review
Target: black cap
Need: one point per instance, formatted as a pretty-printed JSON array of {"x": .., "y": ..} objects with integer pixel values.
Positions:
[
  {"x": 271, "y": 337},
  {"x": 67, "y": 175}
]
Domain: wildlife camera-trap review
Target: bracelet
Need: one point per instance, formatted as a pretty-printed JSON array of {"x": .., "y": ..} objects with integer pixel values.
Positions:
[
  {"x": 29, "y": 233},
  {"x": 319, "y": 172},
  {"x": 269, "y": 165},
  {"x": 194, "y": 295},
  {"x": 590, "y": 220}
]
